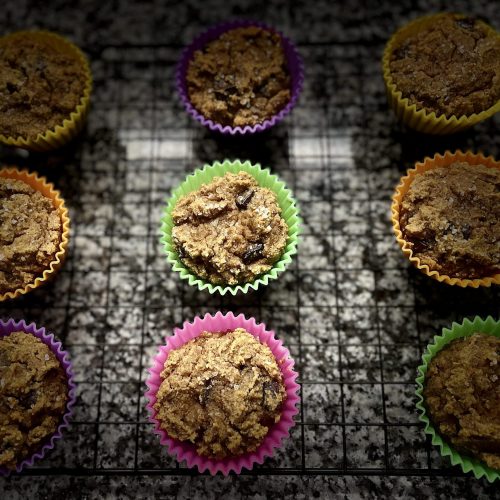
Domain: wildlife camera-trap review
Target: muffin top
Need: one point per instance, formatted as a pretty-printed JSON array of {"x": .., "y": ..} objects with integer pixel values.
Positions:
[
  {"x": 230, "y": 230},
  {"x": 462, "y": 394},
  {"x": 450, "y": 218},
  {"x": 30, "y": 234},
  {"x": 451, "y": 67},
  {"x": 40, "y": 86},
  {"x": 222, "y": 392},
  {"x": 33, "y": 396},
  {"x": 241, "y": 78}
]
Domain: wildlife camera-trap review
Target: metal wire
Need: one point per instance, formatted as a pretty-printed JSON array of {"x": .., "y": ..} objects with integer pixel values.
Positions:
[{"x": 117, "y": 298}]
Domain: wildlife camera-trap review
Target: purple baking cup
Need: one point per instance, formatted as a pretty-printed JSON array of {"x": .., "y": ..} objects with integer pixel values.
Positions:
[
  {"x": 295, "y": 67},
  {"x": 56, "y": 347}
]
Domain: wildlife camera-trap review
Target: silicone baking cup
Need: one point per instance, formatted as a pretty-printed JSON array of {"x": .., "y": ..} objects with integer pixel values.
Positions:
[
  {"x": 40, "y": 184},
  {"x": 221, "y": 323},
  {"x": 295, "y": 68},
  {"x": 70, "y": 127},
  {"x": 264, "y": 177},
  {"x": 419, "y": 118},
  {"x": 466, "y": 329},
  {"x": 401, "y": 190},
  {"x": 10, "y": 326}
]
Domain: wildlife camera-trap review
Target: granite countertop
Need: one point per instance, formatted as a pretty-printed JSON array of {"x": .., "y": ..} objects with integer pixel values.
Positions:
[{"x": 353, "y": 313}]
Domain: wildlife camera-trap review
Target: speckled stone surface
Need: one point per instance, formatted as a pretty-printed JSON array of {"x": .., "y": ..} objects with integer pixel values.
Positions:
[{"x": 353, "y": 313}]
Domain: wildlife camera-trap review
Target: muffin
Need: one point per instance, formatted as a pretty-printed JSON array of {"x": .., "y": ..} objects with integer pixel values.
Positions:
[
  {"x": 44, "y": 90},
  {"x": 462, "y": 396},
  {"x": 446, "y": 216},
  {"x": 450, "y": 217},
  {"x": 230, "y": 230},
  {"x": 221, "y": 391},
  {"x": 34, "y": 393},
  {"x": 442, "y": 72},
  {"x": 33, "y": 231},
  {"x": 236, "y": 384},
  {"x": 240, "y": 77},
  {"x": 451, "y": 68},
  {"x": 459, "y": 373}
]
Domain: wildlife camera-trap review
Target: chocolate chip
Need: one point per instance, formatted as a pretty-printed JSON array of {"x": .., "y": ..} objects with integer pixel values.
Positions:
[
  {"x": 466, "y": 23},
  {"x": 421, "y": 246},
  {"x": 270, "y": 389},
  {"x": 29, "y": 400},
  {"x": 466, "y": 231},
  {"x": 452, "y": 229},
  {"x": 41, "y": 65},
  {"x": 11, "y": 87},
  {"x": 254, "y": 252},
  {"x": 243, "y": 199},
  {"x": 402, "y": 51},
  {"x": 205, "y": 393},
  {"x": 181, "y": 252}
]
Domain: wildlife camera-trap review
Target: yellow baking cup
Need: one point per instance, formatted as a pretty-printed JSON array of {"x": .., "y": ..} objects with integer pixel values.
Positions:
[
  {"x": 70, "y": 127},
  {"x": 40, "y": 184},
  {"x": 401, "y": 190},
  {"x": 419, "y": 118}
]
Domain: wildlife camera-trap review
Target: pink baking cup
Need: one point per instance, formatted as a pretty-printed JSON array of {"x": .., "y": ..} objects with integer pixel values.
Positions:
[
  {"x": 295, "y": 67},
  {"x": 56, "y": 347},
  {"x": 221, "y": 323}
]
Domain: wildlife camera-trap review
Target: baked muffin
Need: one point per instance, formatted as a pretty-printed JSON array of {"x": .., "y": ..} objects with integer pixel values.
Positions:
[
  {"x": 31, "y": 233},
  {"x": 450, "y": 66},
  {"x": 450, "y": 219},
  {"x": 33, "y": 396},
  {"x": 241, "y": 78},
  {"x": 221, "y": 391},
  {"x": 230, "y": 230},
  {"x": 462, "y": 395},
  {"x": 44, "y": 83}
]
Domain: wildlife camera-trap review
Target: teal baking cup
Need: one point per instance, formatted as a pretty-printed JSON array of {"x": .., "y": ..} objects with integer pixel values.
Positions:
[
  {"x": 466, "y": 329},
  {"x": 264, "y": 177}
]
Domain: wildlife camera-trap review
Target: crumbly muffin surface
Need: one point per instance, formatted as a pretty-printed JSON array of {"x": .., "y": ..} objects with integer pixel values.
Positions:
[
  {"x": 241, "y": 78},
  {"x": 40, "y": 86},
  {"x": 221, "y": 391},
  {"x": 30, "y": 234},
  {"x": 450, "y": 217},
  {"x": 452, "y": 67},
  {"x": 462, "y": 394},
  {"x": 33, "y": 396},
  {"x": 230, "y": 230}
]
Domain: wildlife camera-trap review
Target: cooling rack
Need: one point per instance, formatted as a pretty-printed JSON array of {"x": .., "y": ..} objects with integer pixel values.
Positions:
[{"x": 355, "y": 316}]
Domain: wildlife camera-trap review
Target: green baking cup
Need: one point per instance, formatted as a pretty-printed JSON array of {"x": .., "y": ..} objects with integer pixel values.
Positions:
[
  {"x": 289, "y": 212},
  {"x": 466, "y": 329}
]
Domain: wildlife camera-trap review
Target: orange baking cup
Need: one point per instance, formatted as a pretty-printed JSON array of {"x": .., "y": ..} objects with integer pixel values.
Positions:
[
  {"x": 402, "y": 189},
  {"x": 41, "y": 185},
  {"x": 70, "y": 127},
  {"x": 419, "y": 118}
]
